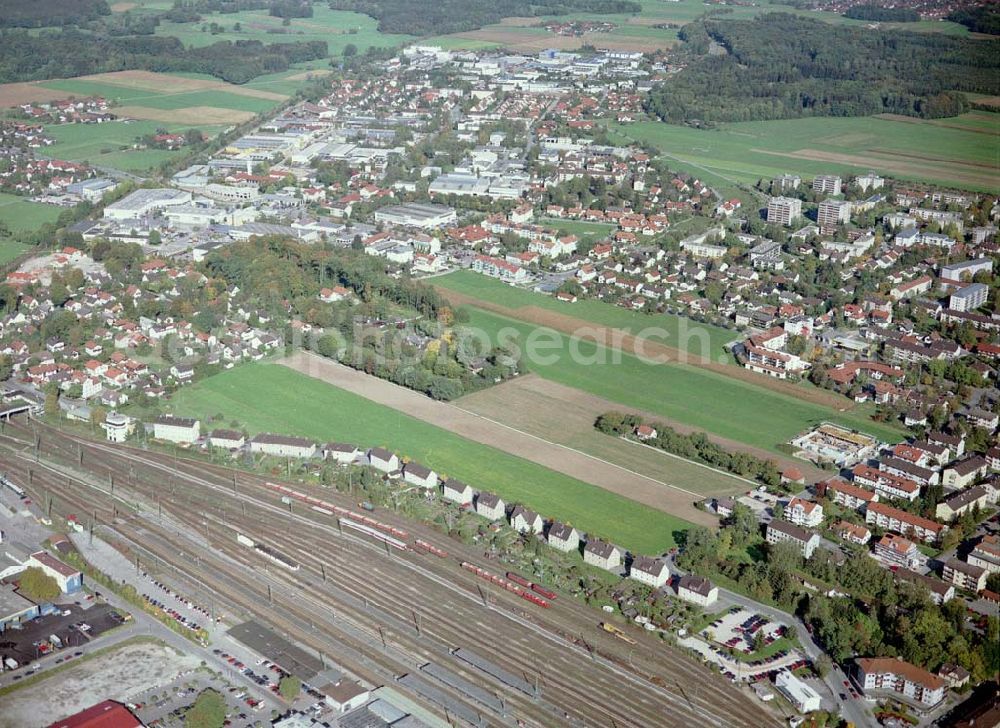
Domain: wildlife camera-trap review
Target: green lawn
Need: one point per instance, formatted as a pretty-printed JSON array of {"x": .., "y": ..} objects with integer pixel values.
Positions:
[
  {"x": 676, "y": 331},
  {"x": 270, "y": 397},
  {"x": 18, "y": 213},
  {"x": 581, "y": 228},
  {"x": 963, "y": 151},
  {"x": 718, "y": 404}
]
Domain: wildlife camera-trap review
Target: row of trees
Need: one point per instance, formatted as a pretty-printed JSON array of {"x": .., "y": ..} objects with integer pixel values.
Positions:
[
  {"x": 69, "y": 53},
  {"x": 695, "y": 446},
  {"x": 781, "y": 66}
]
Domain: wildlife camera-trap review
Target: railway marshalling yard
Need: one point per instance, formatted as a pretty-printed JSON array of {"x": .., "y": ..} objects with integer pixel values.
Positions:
[{"x": 378, "y": 612}]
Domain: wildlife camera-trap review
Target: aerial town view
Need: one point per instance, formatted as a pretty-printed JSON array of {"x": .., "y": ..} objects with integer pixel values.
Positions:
[{"x": 499, "y": 363}]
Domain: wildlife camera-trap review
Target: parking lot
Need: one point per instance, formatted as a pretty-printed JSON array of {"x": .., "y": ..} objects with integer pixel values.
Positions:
[
  {"x": 165, "y": 705},
  {"x": 74, "y": 626},
  {"x": 739, "y": 630}
]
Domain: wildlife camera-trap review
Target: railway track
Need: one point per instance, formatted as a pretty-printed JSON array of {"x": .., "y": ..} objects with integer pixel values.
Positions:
[{"x": 571, "y": 675}]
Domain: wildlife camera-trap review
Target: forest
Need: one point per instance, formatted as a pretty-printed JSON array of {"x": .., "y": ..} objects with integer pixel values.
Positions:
[
  {"x": 68, "y": 53},
  {"x": 43, "y": 13},
  {"x": 983, "y": 19},
  {"x": 417, "y": 17},
  {"x": 781, "y": 66}
]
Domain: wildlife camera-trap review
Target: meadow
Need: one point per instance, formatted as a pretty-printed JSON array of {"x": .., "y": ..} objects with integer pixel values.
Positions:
[
  {"x": 338, "y": 28},
  {"x": 707, "y": 400},
  {"x": 963, "y": 151},
  {"x": 19, "y": 214},
  {"x": 298, "y": 404},
  {"x": 481, "y": 287},
  {"x": 109, "y": 144},
  {"x": 9, "y": 250}
]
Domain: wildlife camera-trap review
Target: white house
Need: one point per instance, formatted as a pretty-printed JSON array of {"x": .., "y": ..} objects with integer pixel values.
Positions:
[
  {"x": 284, "y": 446},
  {"x": 457, "y": 491},
  {"x": 563, "y": 537},
  {"x": 117, "y": 427},
  {"x": 491, "y": 506},
  {"x": 341, "y": 452},
  {"x": 895, "y": 675},
  {"x": 602, "y": 554},
  {"x": 802, "y": 512},
  {"x": 650, "y": 571},
  {"x": 779, "y": 531},
  {"x": 227, "y": 439},
  {"x": 697, "y": 590},
  {"x": 526, "y": 520},
  {"x": 345, "y": 695},
  {"x": 183, "y": 430},
  {"x": 417, "y": 474},
  {"x": 382, "y": 459},
  {"x": 69, "y": 579}
]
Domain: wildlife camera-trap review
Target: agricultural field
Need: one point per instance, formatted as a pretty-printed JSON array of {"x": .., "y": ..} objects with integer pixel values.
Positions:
[
  {"x": 691, "y": 396},
  {"x": 18, "y": 214},
  {"x": 677, "y": 331},
  {"x": 338, "y": 28},
  {"x": 312, "y": 408},
  {"x": 962, "y": 151}
]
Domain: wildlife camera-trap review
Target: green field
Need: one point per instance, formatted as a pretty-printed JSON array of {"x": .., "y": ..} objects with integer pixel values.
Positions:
[
  {"x": 270, "y": 397},
  {"x": 582, "y": 229},
  {"x": 18, "y": 214},
  {"x": 125, "y": 96},
  {"x": 108, "y": 144},
  {"x": 703, "y": 399},
  {"x": 963, "y": 151},
  {"x": 338, "y": 28},
  {"x": 677, "y": 331},
  {"x": 10, "y": 250}
]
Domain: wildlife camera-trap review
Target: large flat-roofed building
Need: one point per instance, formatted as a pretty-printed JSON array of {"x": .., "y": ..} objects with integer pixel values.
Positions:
[
  {"x": 837, "y": 444},
  {"x": 832, "y": 213},
  {"x": 784, "y": 210},
  {"x": 966, "y": 270},
  {"x": 176, "y": 429},
  {"x": 802, "y": 696},
  {"x": 145, "y": 201},
  {"x": 969, "y": 298},
  {"x": 827, "y": 184},
  {"x": 419, "y": 215},
  {"x": 14, "y": 609},
  {"x": 895, "y": 675}
]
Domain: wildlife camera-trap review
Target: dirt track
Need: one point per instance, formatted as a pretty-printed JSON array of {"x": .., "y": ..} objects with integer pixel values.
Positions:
[
  {"x": 613, "y": 338},
  {"x": 559, "y": 458}
]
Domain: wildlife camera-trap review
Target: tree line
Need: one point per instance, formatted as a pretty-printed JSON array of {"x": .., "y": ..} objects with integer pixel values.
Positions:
[
  {"x": 417, "y": 17},
  {"x": 782, "y": 66},
  {"x": 68, "y": 53},
  {"x": 878, "y": 13},
  {"x": 694, "y": 446}
]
